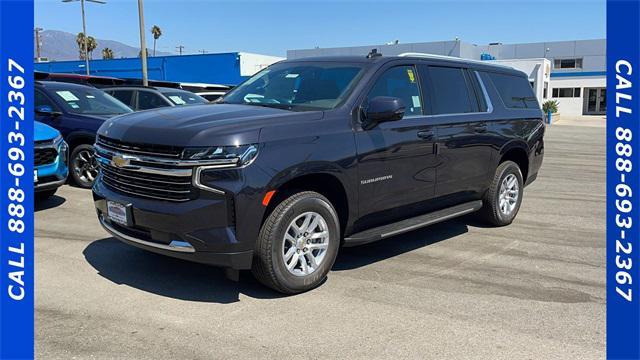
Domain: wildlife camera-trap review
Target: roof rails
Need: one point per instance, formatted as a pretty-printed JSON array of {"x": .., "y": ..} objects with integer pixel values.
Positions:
[{"x": 443, "y": 57}]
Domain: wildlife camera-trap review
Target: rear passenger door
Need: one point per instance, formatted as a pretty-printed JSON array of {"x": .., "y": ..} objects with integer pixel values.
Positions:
[{"x": 459, "y": 111}]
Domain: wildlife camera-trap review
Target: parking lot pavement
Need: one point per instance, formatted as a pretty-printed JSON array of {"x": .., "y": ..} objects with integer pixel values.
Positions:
[{"x": 534, "y": 289}]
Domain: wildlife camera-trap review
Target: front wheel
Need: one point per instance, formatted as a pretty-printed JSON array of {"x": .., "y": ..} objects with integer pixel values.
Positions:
[
  {"x": 84, "y": 167},
  {"x": 298, "y": 244},
  {"x": 502, "y": 200}
]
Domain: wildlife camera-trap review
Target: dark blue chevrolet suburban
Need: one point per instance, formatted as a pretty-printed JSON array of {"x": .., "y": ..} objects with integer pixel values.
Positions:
[{"x": 310, "y": 155}]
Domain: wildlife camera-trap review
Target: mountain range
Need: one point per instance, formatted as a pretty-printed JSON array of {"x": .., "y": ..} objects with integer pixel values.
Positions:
[{"x": 60, "y": 45}]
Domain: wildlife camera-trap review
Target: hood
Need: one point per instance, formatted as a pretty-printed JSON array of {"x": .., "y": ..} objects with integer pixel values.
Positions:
[
  {"x": 200, "y": 125},
  {"x": 43, "y": 132}
]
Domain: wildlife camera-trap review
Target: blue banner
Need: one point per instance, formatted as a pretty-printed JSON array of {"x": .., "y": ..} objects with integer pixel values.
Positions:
[
  {"x": 16, "y": 179},
  {"x": 623, "y": 181}
]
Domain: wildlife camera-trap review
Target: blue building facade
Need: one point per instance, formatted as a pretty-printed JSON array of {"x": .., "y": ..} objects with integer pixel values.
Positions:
[{"x": 221, "y": 68}]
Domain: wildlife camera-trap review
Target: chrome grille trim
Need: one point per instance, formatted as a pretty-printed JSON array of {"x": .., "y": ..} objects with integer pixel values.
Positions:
[{"x": 164, "y": 161}]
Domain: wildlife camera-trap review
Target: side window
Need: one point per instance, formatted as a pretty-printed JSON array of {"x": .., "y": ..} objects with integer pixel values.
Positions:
[
  {"x": 400, "y": 82},
  {"x": 41, "y": 99},
  {"x": 515, "y": 91},
  {"x": 449, "y": 91},
  {"x": 150, "y": 100},
  {"x": 125, "y": 96}
]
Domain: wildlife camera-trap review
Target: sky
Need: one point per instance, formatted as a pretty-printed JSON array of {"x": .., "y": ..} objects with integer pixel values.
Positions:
[{"x": 272, "y": 28}]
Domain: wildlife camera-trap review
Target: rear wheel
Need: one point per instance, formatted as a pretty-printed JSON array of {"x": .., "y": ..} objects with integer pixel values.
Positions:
[
  {"x": 502, "y": 200},
  {"x": 298, "y": 244},
  {"x": 84, "y": 167}
]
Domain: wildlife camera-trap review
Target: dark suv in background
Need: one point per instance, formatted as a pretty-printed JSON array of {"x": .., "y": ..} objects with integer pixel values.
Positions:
[
  {"x": 312, "y": 154},
  {"x": 146, "y": 97},
  {"x": 77, "y": 111}
]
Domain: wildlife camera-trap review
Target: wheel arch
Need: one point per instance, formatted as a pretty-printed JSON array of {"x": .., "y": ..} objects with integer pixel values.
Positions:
[
  {"x": 518, "y": 153},
  {"x": 329, "y": 184}
]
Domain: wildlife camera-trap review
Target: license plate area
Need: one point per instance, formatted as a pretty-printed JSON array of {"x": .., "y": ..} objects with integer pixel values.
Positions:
[{"x": 118, "y": 213}]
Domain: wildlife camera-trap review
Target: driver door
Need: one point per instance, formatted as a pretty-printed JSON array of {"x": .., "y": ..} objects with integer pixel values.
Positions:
[{"x": 396, "y": 159}]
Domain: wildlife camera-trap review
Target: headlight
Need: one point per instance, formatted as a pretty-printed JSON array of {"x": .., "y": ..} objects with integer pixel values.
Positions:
[
  {"x": 57, "y": 140},
  {"x": 239, "y": 155}
]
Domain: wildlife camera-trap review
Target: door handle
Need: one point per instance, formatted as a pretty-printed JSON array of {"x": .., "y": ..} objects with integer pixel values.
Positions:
[{"x": 425, "y": 134}]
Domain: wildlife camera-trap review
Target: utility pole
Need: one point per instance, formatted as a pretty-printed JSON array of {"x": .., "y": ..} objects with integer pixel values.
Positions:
[
  {"x": 203, "y": 51},
  {"x": 84, "y": 30},
  {"x": 143, "y": 45},
  {"x": 180, "y": 48},
  {"x": 37, "y": 30}
]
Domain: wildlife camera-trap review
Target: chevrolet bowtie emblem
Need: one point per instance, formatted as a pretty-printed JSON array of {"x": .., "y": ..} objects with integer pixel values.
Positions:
[{"x": 119, "y": 161}]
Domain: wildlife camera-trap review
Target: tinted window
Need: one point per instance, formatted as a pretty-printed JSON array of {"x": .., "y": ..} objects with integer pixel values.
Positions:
[
  {"x": 126, "y": 96},
  {"x": 86, "y": 100},
  {"x": 150, "y": 100},
  {"x": 41, "y": 99},
  {"x": 184, "y": 98},
  {"x": 400, "y": 82},
  {"x": 297, "y": 86},
  {"x": 449, "y": 91},
  {"x": 515, "y": 91}
]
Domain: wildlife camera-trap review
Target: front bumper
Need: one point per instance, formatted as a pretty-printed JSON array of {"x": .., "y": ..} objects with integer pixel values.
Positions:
[
  {"x": 200, "y": 230},
  {"x": 52, "y": 176}
]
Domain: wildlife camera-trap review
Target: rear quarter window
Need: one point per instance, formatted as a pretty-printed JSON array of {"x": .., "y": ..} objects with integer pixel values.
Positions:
[{"x": 515, "y": 91}]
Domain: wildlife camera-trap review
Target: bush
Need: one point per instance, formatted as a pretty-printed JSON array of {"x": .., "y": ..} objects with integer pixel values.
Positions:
[{"x": 550, "y": 105}]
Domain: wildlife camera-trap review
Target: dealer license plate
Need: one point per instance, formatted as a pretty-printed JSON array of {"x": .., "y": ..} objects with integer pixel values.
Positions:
[{"x": 117, "y": 212}]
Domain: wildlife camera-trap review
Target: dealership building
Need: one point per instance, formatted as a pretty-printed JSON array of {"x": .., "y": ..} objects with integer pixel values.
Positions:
[{"x": 571, "y": 72}]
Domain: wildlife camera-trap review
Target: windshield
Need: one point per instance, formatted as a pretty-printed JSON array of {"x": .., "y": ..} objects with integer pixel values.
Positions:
[
  {"x": 90, "y": 102},
  {"x": 184, "y": 98},
  {"x": 298, "y": 86}
]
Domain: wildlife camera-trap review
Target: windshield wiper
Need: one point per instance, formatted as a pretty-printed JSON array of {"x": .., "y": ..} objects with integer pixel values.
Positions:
[{"x": 275, "y": 106}]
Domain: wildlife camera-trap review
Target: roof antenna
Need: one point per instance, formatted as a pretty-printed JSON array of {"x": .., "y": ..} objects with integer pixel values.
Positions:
[{"x": 373, "y": 53}]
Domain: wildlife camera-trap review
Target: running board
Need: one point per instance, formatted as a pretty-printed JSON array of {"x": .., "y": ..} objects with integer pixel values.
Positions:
[{"x": 385, "y": 231}]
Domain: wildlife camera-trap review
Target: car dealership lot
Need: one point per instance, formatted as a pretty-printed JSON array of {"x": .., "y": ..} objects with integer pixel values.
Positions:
[{"x": 535, "y": 289}]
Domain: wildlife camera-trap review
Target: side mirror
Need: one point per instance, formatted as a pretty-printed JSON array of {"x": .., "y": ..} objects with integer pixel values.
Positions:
[
  {"x": 46, "y": 110},
  {"x": 383, "y": 109}
]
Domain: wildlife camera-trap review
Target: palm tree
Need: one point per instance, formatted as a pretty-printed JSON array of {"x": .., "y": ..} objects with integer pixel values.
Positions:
[
  {"x": 157, "y": 32},
  {"x": 92, "y": 44},
  {"x": 80, "y": 42},
  {"x": 107, "y": 54}
]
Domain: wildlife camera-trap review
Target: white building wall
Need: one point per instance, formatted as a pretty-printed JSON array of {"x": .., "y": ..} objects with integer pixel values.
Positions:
[
  {"x": 574, "y": 107},
  {"x": 252, "y": 63}
]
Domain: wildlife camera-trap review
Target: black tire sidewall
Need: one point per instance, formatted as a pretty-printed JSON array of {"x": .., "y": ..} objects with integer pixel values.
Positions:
[
  {"x": 510, "y": 168},
  {"x": 305, "y": 204},
  {"x": 72, "y": 169}
]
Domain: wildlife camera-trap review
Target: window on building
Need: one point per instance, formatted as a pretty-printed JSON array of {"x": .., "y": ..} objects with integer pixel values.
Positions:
[
  {"x": 514, "y": 91},
  {"x": 567, "y": 63},
  {"x": 400, "y": 82},
  {"x": 449, "y": 91},
  {"x": 566, "y": 92}
]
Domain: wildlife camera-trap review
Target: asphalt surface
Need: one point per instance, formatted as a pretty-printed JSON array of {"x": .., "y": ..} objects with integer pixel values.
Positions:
[{"x": 456, "y": 290}]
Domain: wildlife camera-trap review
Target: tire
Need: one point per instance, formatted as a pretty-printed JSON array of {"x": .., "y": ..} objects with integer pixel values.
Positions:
[
  {"x": 44, "y": 195},
  {"x": 83, "y": 166},
  {"x": 270, "y": 260},
  {"x": 495, "y": 212}
]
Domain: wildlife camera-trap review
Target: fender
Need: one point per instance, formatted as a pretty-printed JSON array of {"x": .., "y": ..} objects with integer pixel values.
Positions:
[{"x": 80, "y": 137}]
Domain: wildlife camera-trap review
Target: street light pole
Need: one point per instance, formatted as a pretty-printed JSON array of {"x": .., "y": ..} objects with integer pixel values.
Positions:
[
  {"x": 85, "y": 44},
  {"x": 143, "y": 45},
  {"x": 86, "y": 39},
  {"x": 37, "y": 30}
]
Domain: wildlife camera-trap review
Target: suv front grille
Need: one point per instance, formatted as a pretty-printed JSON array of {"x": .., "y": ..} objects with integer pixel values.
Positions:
[
  {"x": 140, "y": 149},
  {"x": 44, "y": 156},
  {"x": 156, "y": 186}
]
